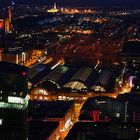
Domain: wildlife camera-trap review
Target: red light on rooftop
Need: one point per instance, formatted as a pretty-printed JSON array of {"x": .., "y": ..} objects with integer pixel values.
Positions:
[
  {"x": 96, "y": 116},
  {"x": 23, "y": 73}
]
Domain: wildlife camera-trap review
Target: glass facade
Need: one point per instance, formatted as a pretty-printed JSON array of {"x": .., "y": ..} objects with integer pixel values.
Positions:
[
  {"x": 13, "y": 102},
  {"x": 13, "y": 84}
]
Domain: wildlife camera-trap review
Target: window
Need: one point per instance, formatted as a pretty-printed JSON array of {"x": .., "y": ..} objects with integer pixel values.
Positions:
[{"x": 1, "y": 121}]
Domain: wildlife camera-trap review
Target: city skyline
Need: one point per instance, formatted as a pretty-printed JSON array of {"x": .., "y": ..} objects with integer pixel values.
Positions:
[
  {"x": 102, "y": 3},
  {"x": 69, "y": 70}
]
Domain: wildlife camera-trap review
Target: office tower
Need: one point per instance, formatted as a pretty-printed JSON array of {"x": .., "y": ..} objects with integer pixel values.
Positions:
[
  {"x": 13, "y": 101},
  {"x": 7, "y": 15}
]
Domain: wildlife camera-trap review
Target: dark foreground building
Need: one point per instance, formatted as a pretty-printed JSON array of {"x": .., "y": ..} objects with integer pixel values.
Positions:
[
  {"x": 13, "y": 101},
  {"x": 52, "y": 111},
  {"x": 104, "y": 131},
  {"x": 39, "y": 130},
  {"x": 131, "y": 52}
]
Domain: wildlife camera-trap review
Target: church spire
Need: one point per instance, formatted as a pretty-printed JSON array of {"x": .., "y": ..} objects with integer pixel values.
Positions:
[{"x": 55, "y": 6}]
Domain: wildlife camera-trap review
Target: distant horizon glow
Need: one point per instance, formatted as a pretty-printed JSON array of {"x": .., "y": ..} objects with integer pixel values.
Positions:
[{"x": 83, "y": 2}]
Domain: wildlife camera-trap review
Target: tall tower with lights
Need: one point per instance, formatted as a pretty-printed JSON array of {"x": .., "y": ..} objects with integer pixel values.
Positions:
[
  {"x": 55, "y": 7},
  {"x": 7, "y": 15}
]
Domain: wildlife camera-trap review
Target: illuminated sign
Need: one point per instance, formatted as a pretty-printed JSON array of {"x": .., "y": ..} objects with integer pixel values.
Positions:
[
  {"x": 101, "y": 102},
  {"x": 15, "y": 100},
  {"x": 18, "y": 100}
]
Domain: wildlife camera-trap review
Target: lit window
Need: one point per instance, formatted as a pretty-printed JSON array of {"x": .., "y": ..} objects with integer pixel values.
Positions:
[
  {"x": 15, "y": 100},
  {"x": 1, "y": 121}
]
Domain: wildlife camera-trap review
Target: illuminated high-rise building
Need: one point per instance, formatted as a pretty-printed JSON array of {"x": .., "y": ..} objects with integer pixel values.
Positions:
[
  {"x": 7, "y": 15},
  {"x": 1, "y": 24},
  {"x": 13, "y": 101}
]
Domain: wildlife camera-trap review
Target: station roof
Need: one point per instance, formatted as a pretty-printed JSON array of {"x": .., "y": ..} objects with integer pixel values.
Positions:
[
  {"x": 66, "y": 77},
  {"x": 80, "y": 79},
  {"x": 37, "y": 72},
  {"x": 75, "y": 85},
  {"x": 92, "y": 78},
  {"x": 60, "y": 72},
  {"x": 33, "y": 71},
  {"x": 82, "y": 74},
  {"x": 103, "y": 81}
]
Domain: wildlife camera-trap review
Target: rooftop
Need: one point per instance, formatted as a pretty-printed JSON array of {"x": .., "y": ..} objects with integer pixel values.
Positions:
[
  {"x": 103, "y": 131},
  {"x": 49, "y": 109},
  {"x": 81, "y": 79},
  {"x": 37, "y": 72},
  {"x": 7, "y": 67},
  {"x": 39, "y": 130},
  {"x": 131, "y": 48},
  {"x": 90, "y": 104}
]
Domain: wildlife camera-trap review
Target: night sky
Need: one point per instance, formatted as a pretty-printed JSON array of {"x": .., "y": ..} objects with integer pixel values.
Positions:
[{"x": 104, "y": 3}]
